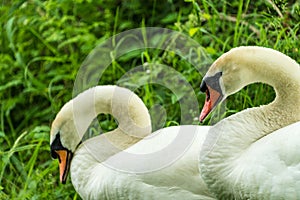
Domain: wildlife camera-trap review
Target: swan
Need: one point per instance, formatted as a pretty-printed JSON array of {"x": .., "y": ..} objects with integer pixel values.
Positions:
[
  {"x": 253, "y": 154},
  {"x": 166, "y": 162}
]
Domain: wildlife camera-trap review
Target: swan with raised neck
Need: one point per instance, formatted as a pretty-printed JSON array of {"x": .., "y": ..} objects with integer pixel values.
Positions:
[{"x": 248, "y": 155}]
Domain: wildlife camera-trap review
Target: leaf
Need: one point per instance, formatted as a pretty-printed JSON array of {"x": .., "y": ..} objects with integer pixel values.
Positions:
[
  {"x": 39, "y": 129},
  {"x": 206, "y": 16},
  {"x": 10, "y": 84},
  {"x": 193, "y": 31},
  {"x": 10, "y": 31},
  {"x": 2, "y": 134},
  {"x": 169, "y": 18},
  {"x": 211, "y": 50}
]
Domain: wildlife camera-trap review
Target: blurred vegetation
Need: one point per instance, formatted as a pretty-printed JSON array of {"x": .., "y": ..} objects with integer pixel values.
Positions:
[{"x": 43, "y": 44}]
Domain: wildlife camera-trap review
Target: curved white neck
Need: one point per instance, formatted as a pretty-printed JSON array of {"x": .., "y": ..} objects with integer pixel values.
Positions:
[
  {"x": 278, "y": 71},
  {"x": 228, "y": 139},
  {"x": 133, "y": 125},
  {"x": 127, "y": 108}
]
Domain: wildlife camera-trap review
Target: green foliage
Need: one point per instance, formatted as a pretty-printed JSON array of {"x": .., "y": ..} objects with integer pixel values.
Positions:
[{"x": 43, "y": 44}]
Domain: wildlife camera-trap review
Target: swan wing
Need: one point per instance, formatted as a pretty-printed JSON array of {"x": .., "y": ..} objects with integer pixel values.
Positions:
[
  {"x": 270, "y": 167},
  {"x": 163, "y": 165}
]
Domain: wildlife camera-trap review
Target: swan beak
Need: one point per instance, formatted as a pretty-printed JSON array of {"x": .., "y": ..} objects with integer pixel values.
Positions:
[
  {"x": 64, "y": 158},
  {"x": 213, "y": 97}
]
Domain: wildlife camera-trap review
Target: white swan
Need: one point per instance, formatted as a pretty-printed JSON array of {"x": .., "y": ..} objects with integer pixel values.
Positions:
[
  {"x": 164, "y": 165},
  {"x": 254, "y": 154}
]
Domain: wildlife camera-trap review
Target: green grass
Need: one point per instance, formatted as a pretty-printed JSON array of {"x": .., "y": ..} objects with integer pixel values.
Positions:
[{"x": 43, "y": 44}]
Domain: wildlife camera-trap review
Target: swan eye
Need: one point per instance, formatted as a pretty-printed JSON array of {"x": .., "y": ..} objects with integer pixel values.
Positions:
[
  {"x": 54, "y": 154},
  {"x": 207, "y": 95},
  {"x": 211, "y": 81},
  {"x": 203, "y": 86},
  {"x": 56, "y": 145}
]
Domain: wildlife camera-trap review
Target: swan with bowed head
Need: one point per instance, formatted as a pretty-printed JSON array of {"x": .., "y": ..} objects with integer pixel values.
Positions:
[
  {"x": 92, "y": 173},
  {"x": 253, "y": 154}
]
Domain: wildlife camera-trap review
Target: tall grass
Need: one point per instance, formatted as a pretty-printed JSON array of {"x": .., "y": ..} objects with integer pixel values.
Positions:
[{"x": 43, "y": 44}]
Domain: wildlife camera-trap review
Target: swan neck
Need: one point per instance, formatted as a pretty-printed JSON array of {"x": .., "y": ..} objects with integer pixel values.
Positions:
[
  {"x": 283, "y": 74},
  {"x": 127, "y": 108},
  {"x": 229, "y": 140}
]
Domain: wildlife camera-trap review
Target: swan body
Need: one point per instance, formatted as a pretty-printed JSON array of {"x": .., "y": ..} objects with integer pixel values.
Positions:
[
  {"x": 176, "y": 180},
  {"x": 250, "y": 155},
  {"x": 128, "y": 162},
  {"x": 253, "y": 154}
]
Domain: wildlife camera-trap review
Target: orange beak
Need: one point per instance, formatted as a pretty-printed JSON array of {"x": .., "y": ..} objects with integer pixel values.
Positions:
[
  {"x": 213, "y": 97},
  {"x": 64, "y": 158}
]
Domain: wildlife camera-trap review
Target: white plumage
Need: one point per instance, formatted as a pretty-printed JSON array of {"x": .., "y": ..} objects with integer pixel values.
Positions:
[
  {"x": 177, "y": 180},
  {"x": 121, "y": 164},
  {"x": 254, "y": 154}
]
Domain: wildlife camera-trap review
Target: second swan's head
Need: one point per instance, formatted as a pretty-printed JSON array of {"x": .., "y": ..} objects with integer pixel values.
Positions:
[
  {"x": 236, "y": 69},
  {"x": 223, "y": 78},
  {"x": 74, "y": 118}
]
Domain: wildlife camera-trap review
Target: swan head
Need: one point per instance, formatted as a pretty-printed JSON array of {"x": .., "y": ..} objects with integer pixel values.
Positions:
[
  {"x": 62, "y": 143},
  {"x": 227, "y": 75}
]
